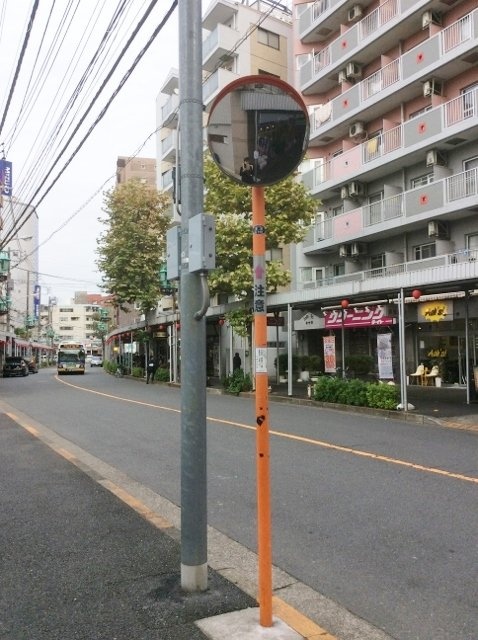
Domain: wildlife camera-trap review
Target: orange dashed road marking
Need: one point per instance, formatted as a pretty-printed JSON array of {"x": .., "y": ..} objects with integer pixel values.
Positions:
[{"x": 281, "y": 434}]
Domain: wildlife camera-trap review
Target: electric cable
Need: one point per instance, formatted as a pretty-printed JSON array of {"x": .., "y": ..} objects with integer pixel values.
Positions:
[
  {"x": 23, "y": 216},
  {"x": 20, "y": 61}
]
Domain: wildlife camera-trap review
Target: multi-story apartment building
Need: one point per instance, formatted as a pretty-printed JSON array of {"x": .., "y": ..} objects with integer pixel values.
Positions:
[
  {"x": 392, "y": 90},
  {"x": 74, "y": 321},
  {"x": 240, "y": 39}
]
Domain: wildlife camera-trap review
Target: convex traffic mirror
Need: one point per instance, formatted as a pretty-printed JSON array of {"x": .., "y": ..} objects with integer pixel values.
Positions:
[{"x": 258, "y": 130}]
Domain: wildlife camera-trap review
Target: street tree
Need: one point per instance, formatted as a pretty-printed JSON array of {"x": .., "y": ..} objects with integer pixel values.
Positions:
[
  {"x": 289, "y": 211},
  {"x": 132, "y": 247}
]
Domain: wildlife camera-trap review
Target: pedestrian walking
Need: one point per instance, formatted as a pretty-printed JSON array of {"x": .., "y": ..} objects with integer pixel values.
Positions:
[
  {"x": 150, "y": 370},
  {"x": 236, "y": 362}
]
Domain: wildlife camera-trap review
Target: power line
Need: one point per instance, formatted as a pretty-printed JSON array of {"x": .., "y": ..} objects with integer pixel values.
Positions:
[
  {"x": 23, "y": 216},
  {"x": 20, "y": 61}
]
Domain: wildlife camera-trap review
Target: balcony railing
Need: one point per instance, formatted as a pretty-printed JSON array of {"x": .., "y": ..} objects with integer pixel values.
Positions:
[
  {"x": 353, "y": 161},
  {"x": 450, "y": 189},
  {"x": 382, "y": 79},
  {"x": 456, "y": 34},
  {"x": 443, "y": 261}
]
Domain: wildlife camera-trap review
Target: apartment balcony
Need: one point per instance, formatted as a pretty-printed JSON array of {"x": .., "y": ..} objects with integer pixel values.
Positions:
[
  {"x": 438, "y": 130},
  {"x": 398, "y": 213},
  {"x": 324, "y": 17},
  {"x": 380, "y": 31},
  {"x": 221, "y": 12},
  {"x": 432, "y": 275},
  {"x": 168, "y": 147},
  {"x": 169, "y": 112},
  {"x": 217, "y": 46},
  {"x": 216, "y": 81}
]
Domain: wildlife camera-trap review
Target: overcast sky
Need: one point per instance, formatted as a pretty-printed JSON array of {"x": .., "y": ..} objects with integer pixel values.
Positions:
[{"x": 67, "y": 258}]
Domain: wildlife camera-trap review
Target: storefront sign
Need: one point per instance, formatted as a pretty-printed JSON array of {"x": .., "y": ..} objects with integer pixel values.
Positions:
[
  {"x": 309, "y": 321},
  {"x": 373, "y": 315},
  {"x": 330, "y": 364},
  {"x": 435, "y": 311}
]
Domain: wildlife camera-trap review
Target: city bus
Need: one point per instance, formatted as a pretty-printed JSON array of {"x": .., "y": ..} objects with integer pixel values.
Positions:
[{"x": 71, "y": 358}]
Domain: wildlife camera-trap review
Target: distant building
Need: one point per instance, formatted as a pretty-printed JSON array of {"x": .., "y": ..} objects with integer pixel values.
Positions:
[
  {"x": 22, "y": 279},
  {"x": 142, "y": 169}
]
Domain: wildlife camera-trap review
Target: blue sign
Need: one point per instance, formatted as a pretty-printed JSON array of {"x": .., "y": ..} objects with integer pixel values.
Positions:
[
  {"x": 36, "y": 301},
  {"x": 6, "y": 177}
]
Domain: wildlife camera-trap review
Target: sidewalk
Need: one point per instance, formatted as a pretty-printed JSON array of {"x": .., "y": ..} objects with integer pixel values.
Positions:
[
  {"x": 446, "y": 405},
  {"x": 77, "y": 563}
]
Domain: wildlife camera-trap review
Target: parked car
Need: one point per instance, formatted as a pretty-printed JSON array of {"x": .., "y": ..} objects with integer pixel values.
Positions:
[
  {"x": 32, "y": 367},
  {"x": 14, "y": 366},
  {"x": 96, "y": 361}
]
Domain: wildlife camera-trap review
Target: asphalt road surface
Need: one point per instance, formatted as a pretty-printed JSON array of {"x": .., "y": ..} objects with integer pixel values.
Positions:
[{"x": 378, "y": 515}]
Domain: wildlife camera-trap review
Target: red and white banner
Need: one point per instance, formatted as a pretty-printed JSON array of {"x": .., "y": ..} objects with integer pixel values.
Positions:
[{"x": 330, "y": 364}]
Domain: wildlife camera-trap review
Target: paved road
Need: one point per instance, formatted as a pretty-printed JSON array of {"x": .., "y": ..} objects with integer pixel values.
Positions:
[{"x": 365, "y": 510}]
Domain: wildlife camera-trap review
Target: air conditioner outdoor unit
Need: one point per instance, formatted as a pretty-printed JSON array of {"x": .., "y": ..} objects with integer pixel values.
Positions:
[
  {"x": 344, "y": 192},
  {"x": 342, "y": 75},
  {"x": 356, "y": 129},
  {"x": 435, "y": 157},
  {"x": 345, "y": 250},
  {"x": 354, "y": 13},
  {"x": 430, "y": 17},
  {"x": 357, "y": 249},
  {"x": 353, "y": 70},
  {"x": 432, "y": 87},
  {"x": 437, "y": 229},
  {"x": 356, "y": 189}
]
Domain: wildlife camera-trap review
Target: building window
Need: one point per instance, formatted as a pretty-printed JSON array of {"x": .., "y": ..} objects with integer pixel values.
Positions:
[
  {"x": 470, "y": 94},
  {"x": 375, "y": 205},
  {"x": 306, "y": 274},
  {"x": 424, "y": 251},
  {"x": 338, "y": 269},
  {"x": 420, "y": 112},
  {"x": 268, "y": 38},
  {"x": 301, "y": 59},
  {"x": 337, "y": 211},
  {"x": 66, "y": 310},
  {"x": 421, "y": 181},
  {"x": 377, "y": 263}
]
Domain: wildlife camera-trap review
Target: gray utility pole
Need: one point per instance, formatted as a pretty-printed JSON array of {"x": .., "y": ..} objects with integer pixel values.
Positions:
[{"x": 193, "y": 330}]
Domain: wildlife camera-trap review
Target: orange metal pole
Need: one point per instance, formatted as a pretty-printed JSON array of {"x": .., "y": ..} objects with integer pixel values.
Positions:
[{"x": 262, "y": 409}]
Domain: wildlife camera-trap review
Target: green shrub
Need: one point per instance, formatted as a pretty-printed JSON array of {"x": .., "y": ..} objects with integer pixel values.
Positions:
[
  {"x": 137, "y": 372},
  {"x": 356, "y": 392},
  {"x": 110, "y": 366},
  {"x": 383, "y": 396},
  {"x": 328, "y": 389},
  {"x": 237, "y": 382},
  {"x": 162, "y": 375},
  {"x": 315, "y": 363},
  {"x": 360, "y": 364}
]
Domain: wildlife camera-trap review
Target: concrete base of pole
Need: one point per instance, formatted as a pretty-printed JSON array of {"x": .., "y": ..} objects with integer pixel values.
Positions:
[{"x": 194, "y": 578}]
